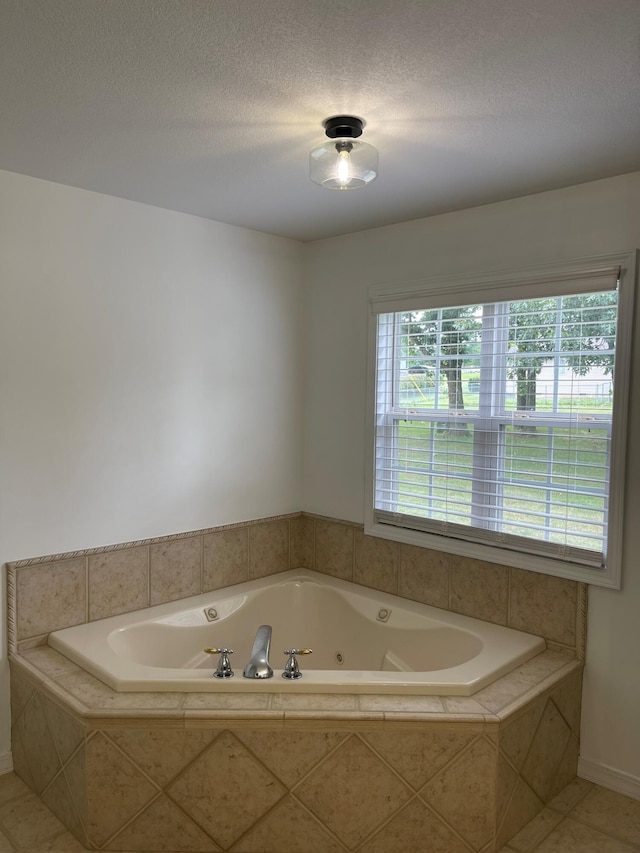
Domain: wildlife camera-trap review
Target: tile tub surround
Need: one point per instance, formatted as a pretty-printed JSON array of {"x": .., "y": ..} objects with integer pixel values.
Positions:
[
  {"x": 203, "y": 772},
  {"x": 49, "y": 593},
  {"x": 487, "y": 764}
]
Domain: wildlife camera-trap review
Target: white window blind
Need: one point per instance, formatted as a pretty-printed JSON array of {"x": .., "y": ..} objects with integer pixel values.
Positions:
[{"x": 494, "y": 415}]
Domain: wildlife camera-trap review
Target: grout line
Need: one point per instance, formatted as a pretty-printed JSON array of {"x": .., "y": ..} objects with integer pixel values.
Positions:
[
  {"x": 318, "y": 820},
  {"x": 88, "y": 576},
  {"x": 201, "y": 563},
  {"x": 353, "y": 555},
  {"x": 148, "y": 550},
  {"x": 86, "y": 589},
  {"x": 128, "y": 823},
  {"x": 396, "y": 560},
  {"x": 322, "y": 760}
]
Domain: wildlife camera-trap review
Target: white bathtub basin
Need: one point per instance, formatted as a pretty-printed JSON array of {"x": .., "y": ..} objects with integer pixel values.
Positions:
[{"x": 418, "y": 649}]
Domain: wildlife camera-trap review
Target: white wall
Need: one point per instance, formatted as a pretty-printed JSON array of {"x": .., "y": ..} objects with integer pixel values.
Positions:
[
  {"x": 590, "y": 219},
  {"x": 149, "y": 374}
]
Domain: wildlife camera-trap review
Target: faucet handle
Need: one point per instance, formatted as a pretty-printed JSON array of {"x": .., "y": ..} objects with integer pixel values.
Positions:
[
  {"x": 223, "y": 670},
  {"x": 291, "y": 668}
]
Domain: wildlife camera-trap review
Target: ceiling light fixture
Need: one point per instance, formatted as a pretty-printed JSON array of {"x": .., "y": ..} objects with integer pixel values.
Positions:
[{"x": 341, "y": 163}]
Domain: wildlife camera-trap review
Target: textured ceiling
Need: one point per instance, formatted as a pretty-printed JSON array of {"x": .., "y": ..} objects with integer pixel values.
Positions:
[{"x": 211, "y": 106}]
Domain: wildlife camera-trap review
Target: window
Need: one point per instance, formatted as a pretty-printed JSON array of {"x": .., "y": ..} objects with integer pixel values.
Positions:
[{"x": 500, "y": 412}]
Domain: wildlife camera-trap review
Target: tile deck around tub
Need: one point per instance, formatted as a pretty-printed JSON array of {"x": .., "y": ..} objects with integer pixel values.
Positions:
[{"x": 90, "y": 697}]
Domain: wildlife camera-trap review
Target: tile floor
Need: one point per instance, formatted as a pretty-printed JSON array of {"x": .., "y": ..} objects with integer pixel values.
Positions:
[{"x": 584, "y": 818}]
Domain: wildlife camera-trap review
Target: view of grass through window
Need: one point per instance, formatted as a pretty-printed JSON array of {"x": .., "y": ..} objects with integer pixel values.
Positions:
[{"x": 499, "y": 417}]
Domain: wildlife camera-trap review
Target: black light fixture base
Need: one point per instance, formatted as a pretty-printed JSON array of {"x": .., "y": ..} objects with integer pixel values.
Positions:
[{"x": 348, "y": 127}]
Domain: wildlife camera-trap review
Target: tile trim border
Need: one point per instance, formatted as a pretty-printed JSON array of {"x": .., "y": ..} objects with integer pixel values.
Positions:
[
  {"x": 173, "y": 537},
  {"x": 11, "y": 609}
]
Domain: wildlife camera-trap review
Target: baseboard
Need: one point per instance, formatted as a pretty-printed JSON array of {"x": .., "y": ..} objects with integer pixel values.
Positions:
[
  {"x": 6, "y": 763},
  {"x": 608, "y": 777}
]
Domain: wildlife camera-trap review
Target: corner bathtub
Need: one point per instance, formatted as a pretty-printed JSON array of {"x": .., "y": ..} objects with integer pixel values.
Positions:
[{"x": 363, "y": 641}]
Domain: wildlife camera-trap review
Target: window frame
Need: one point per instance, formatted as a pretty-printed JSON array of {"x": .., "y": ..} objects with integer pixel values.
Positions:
[{"x": 512, "y": 285}]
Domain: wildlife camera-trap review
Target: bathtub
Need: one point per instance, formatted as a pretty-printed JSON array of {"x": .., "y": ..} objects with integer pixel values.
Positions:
[{"x": 363, "y": 641}]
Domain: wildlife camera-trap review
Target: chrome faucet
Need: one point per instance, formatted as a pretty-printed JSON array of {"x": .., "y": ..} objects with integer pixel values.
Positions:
[{"x": 258, "y": 666}]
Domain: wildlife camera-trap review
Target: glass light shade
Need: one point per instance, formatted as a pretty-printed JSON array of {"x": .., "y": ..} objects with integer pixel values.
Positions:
[{"x": 343, "y": 164}]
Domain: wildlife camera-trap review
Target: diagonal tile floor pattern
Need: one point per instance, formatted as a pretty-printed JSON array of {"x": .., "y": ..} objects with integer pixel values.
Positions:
[{"x": 584, "y": 818}]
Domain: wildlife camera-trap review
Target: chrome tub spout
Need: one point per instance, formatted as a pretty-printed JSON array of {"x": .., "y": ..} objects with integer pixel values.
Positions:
[{"x": 258, "y": 666}]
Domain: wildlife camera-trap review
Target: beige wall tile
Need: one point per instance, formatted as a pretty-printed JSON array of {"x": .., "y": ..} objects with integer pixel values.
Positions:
[
  {"x": 162, "y": 826},
  {"x": 417, "y": 756},
  {"x": 568, "y": 768},
  {"x": 414, "y": 829},
  {"x": 351, "y": 810},
  {"x": 21, "y": 692},
  {"x": 116, "y": 789},
  {"x": 334, "y": 549},
  {"x": 544, "y": 605},
  {"x": 226, "y": 766},
  {"x": 464, "y": 793},
  {"x": 161, "y": 753},
  {"x": 20, "y": 762},
  {"x": 376, "y": 563},
  {"x": 175, "y": 569},
  {"x": 66, "y": 731},
  {"x": 301, "y": 542},
  {"x": 288, "y": 826},
  {"x": 118, "y": 582},
  {"x": 50, "y": 596},
  {"x": 268, "y": 548},
  {"x": 523, "y": 807},
  {"x": 226, "y": 558},
  {"x": 517, "y": 734},
  {"x": 75, "y": 772},
  {"x": 568, "y": 699},
  {"x": 479, "y": 589},
  {"x": 423, "y": 575},
  {"x": 302, "y": 752},
  {"x": 545, "y": 755},
  {"x": 40, "y": 750},
  {"x": 57, "y": 797},
  {"x": 506, "y": 781}
]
